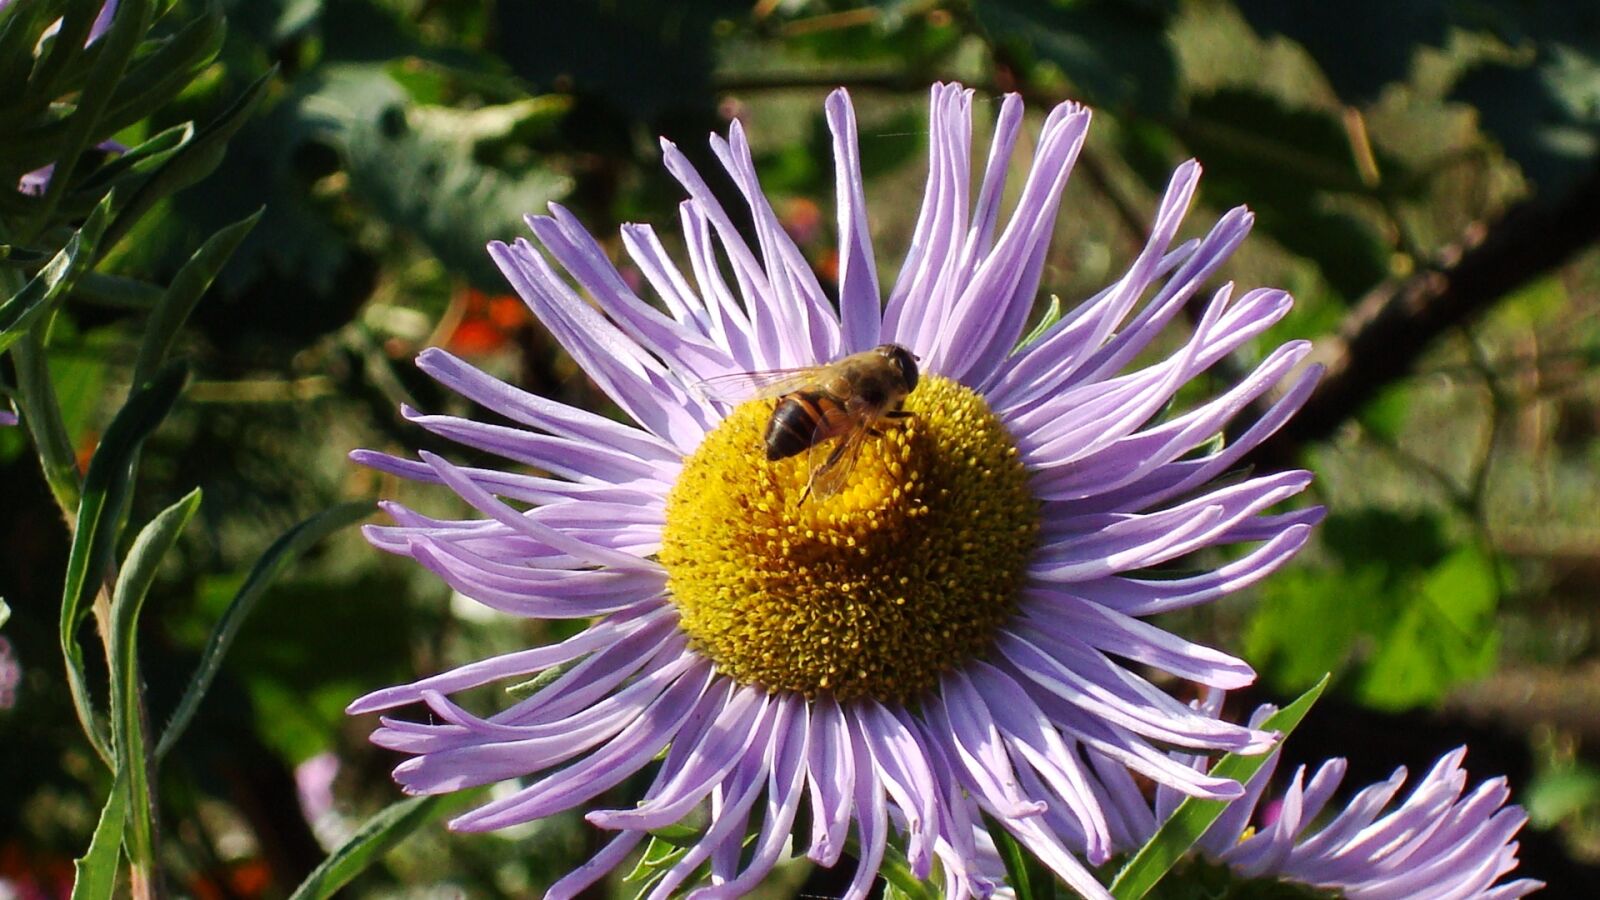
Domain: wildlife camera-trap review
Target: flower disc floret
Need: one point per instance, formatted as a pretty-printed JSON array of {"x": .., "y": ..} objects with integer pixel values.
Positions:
[{"x": 904, "y": 574}]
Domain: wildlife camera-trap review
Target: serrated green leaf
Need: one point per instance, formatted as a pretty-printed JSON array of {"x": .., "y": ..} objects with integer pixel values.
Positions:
[
  {"x": 167, "y": 319},
  {"x": 138, "y": 573},
  {"x": 19, "y": 312},
  {"x": 104, "y": 493},
  {"x": 95, "y": 873},
  {"x": 279, "y": 557},
  {"x": 1194, "y": 816},
  {"x": 374, "y": 838}
]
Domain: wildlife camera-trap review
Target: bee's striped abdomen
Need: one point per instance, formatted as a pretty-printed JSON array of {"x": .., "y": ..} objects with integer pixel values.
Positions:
[{"x": 801, "y": 419}]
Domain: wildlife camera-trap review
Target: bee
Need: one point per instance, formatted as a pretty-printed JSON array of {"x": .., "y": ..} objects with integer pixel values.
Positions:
[{"x": 844, "y": 403}]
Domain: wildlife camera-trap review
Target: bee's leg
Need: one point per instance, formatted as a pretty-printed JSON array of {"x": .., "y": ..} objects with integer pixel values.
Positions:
[
  {"x": 874, "y": 432},
  {"x": 830, "y": 462},
  {"x": 899, "y": 414}
]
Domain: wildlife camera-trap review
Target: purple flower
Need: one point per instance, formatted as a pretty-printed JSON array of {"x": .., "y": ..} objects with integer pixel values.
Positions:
[
  {"x": 1434, "y": 843},
  {"x": 943, "y": 636},
  {"x": 7, "y": 418}
]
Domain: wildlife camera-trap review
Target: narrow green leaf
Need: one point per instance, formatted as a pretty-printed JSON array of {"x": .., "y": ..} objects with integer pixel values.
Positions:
[
  {"x": 282, "y": 554},
  {"x": 897, "y": 871},
  {"x": 95, "y": 873},
  {"x": 1052, "y": 315},
  {"x": 84, "y": 125},
  {"x": 20, "y": 29},
  {"x": 1015, "y": 858},
  {"x": 161, "y": 329},
  {"x": 105, "y": 489},
  {"x": 374, "y": 838},
  {"x": 660, "y": 854},
  {"x": 22, "y": 257},
  {"x": 192, "y": 162},
  {"x": 144, "y": 157},
  {"x": 138, "y": 572},
  {"x": 116, "y": 292},
  {"x": 1194, "y": 816},
  {"x": 158, "y": 76},
  {"x": 20, "y": 311}
]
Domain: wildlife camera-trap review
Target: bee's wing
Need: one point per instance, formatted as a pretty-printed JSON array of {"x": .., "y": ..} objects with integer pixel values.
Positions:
[
  {"x": 739, "y": 386},
  {"x": 838, "y": 460}
]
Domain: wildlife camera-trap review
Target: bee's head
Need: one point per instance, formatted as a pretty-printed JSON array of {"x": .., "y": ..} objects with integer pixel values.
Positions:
[{"x": 904, "y": 360}]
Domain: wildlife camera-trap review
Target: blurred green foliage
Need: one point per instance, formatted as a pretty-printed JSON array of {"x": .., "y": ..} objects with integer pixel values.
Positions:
[{"x": 385, "y": 141}]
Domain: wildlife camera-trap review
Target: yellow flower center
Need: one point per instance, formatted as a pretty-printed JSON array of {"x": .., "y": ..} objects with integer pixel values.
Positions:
[{"x": 903, "y": 574}]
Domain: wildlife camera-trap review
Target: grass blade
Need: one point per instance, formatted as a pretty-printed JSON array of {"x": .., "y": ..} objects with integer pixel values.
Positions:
[
  {"x": 374, "y": 838},
  {"x": 139, "y": 568},
  {"x": 283, "y": 552},
  {"x": 1194, "y": 816}
]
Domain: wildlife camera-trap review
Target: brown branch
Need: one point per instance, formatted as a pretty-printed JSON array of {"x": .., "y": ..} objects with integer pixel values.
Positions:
[{"x": 1392, "y": 327}]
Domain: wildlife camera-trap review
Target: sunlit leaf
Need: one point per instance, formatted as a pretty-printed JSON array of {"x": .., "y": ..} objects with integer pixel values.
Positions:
[
  {"x": 1190, "y": 821},
  {"x": 373, "y": 839},
  {"x": 138, "y": 572},
  {"x": 19, "y": 312},
  {"x": 95, "y": 873}
]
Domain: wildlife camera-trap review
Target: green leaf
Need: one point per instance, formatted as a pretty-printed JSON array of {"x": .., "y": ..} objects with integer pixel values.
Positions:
[
  {"x": 19, "y": 312},
  {"x": 374, "y": 838},
  {"x": 167, "y": 319},
  {"x": 138, "y": 160},
  {"x": 279, "y": 557},
  {"x": 660, "y": 854},
  {"x": 105, "y": 490},
  {"x": 116, "y": 292},
  {"x": 139, "y": 569},
  {"x": 1561, "y": 793},
  {"x": 84, "y": 127},
  {"x": 95, "y": 873},
  {"x": 193, "y": 161},
  {"x": 1019, "y": 873},
  {"x": 1445, "y": 634},
  {"x": 1052, "y": 315},
  {"x": 1194, "y": 816},
  {"x": 1546, "y": 115},
  {"x": 416, "y": 172},
  {"x": 5, "y": 612},
  {"x": 1116, "y": 54},
  {"x": 160, "y": 74},
  {"x": 20, "y": 30},
  {"x": 1284, "y": 162}
]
